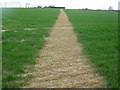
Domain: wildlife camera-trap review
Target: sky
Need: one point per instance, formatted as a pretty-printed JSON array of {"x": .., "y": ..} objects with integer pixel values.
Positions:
[{"x": 69, "y": 4}]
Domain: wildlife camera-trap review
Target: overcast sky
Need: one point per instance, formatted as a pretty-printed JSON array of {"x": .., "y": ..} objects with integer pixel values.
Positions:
[{"x": 69, "y": 4}]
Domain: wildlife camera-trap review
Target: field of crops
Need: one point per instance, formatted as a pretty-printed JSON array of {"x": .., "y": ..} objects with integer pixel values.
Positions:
[
  {"x": 98, "y": 32},
  {"x": 24, "y": 32},
  {"x": 23, "y": 36}
]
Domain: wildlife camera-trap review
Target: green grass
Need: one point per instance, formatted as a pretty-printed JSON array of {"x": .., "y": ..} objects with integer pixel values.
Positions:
[
  {"x": 98, "y": 32},
  {"x": 0, "y": 50},
  {"x": 19, "y": 46}
]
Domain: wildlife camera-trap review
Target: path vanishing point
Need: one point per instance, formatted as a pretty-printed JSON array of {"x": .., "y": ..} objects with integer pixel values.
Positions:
[{"x": 61, "y": 63}]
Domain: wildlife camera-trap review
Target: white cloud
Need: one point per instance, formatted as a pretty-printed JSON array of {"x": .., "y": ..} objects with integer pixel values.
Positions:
[{"x": 72, "y": 4}]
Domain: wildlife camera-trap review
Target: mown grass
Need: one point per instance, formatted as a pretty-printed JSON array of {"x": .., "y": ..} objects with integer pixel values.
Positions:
[
  {"x": 98, "y": 32},
  {"x": 20, "y": 46}
]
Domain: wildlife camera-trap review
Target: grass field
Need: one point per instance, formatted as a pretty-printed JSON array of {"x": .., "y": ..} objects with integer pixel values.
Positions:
[
  {"x": 23, "y": 38},
  {"x": 98, "y": 32}
]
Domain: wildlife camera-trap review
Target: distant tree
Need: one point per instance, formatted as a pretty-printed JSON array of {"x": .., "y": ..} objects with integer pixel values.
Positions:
[
  {"x": 28, "y": 5},
  {"x": 86, "y": 8},
  {"x": 45, "y": 7},
  {"x": 99, "y": 9},
  {"x": 51, "y": 6},
  {"x": 110, "y": 8},
  {"x": 39, "y": 6}
]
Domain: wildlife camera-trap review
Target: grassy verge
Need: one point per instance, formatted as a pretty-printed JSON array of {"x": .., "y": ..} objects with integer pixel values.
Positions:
[
  {"x": 98, "y": 32},
  {"x": 23, "y": 38}
]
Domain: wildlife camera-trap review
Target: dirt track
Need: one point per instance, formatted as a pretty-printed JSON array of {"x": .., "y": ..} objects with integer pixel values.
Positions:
[{"x": 61, "y": 63}]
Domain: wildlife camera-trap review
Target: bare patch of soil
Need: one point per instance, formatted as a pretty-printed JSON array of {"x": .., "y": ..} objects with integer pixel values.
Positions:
[
  {"x": 37, "y": 28},
  {"x": 4, "y": 30},
  {"x": 61, "y": 63},
  {"x": 30, "y": 28}
]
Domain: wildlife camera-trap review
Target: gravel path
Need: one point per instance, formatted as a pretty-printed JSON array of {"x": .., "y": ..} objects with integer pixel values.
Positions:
[{"x": 61, "y": 63}]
